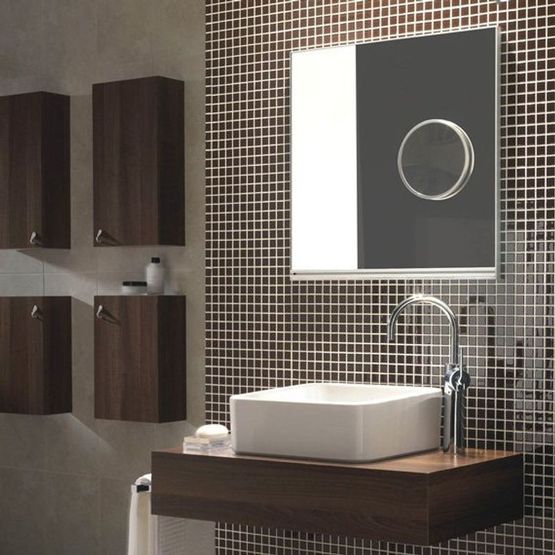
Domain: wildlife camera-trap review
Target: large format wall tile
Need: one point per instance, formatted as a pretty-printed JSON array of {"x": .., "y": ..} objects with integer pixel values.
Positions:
[
  {"x": 71, "y": 514},
  {"x": 22, "y": 506},
  {"x": 64, "y": 480},
  {"x": 25, "y": 435},
  {"x": 21, "y": 285}
]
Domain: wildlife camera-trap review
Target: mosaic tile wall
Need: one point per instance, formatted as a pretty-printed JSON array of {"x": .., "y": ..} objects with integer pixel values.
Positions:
[{"x": 264, "y": 330}]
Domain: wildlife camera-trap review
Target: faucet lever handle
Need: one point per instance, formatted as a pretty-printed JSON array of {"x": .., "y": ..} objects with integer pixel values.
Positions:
[
  {"x": 463, "y": 380},
  {"x": 451, "y": 379},
  {"x": 455, "y": 383}
]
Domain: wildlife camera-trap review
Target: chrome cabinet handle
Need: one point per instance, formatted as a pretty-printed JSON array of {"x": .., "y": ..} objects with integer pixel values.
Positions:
[
  {"x": 105, "y": 315},
  {"x": 35, "y": 239},
  {"x": 36, "y": 313},
  {"x": 104, "y": 238}
]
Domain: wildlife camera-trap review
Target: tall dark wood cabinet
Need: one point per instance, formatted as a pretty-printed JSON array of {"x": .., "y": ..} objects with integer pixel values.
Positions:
[
  {"x": 139, "y": 358},
  {"x": 35, "y": 355},
  {"x": 138, "y": 136},
  {"x": 34, "y": 171}
]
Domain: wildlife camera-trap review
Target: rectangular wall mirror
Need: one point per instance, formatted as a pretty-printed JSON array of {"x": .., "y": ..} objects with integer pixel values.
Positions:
[{"x": 395, "y": 158}]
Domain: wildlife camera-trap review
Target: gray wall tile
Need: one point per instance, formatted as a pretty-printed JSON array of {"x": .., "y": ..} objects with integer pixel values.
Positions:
[{"x": 64, "y": 479}]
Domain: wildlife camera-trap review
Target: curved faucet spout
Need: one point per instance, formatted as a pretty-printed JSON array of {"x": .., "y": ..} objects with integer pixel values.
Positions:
[
  {"x": 455, "y": 380},
  {"x": 426, "y": 299}
]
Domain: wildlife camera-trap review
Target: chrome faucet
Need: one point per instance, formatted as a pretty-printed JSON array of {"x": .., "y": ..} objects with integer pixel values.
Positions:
[{"x": 455, "y": 380}]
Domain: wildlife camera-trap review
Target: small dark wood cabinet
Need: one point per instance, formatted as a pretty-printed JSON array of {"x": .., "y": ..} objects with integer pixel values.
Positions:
[
  {"x": 34, "y": 171},
  {"x": 35, "y": 355},
  {"x": 139, "y": 349},
  {"x": 138, "y": 137}
]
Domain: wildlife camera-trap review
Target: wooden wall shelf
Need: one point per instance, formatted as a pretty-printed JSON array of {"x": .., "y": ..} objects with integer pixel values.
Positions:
[
  {"x": 420, "y": 499},
  {"x": 139, "y": 358},
  {"x": 35, "y": 355},
  {"x": 138, "y": 152},
  {"x": 34, "y": 171}
]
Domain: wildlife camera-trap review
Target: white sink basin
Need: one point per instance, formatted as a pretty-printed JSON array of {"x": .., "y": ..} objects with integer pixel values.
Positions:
[{"x": 341, "y": 422}]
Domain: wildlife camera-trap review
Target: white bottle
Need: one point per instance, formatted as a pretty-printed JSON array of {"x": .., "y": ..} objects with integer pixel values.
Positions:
[{"x": 155, "y": 277}]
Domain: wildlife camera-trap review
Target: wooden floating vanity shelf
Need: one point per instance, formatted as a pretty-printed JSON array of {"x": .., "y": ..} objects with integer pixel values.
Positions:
[{"x": 420, "y": 499}]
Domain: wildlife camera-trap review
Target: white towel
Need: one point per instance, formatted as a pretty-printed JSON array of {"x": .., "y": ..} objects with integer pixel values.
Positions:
[{"x": 143, "y": 527}]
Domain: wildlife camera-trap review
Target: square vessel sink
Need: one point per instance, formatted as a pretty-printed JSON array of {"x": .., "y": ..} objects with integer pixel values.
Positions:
[{"x": 341, "y": 422}]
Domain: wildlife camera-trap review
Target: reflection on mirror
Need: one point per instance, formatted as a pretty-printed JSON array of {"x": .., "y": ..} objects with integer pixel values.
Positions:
[
  {"x": 394, "y": 158},
  {"x": 436, "y": 159}
]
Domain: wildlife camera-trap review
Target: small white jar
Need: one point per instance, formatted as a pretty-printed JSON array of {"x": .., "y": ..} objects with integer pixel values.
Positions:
[
  {"x": 155, "y": 276},
  {"x": 133, "y": 288}
]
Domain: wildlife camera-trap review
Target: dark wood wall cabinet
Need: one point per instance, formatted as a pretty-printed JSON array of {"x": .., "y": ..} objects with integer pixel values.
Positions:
[
  {"x": 139, "y": 350},
  {"x": 138, "y": 149},
  {"x": 420, "y": 499},
  {"x": 34, "y": 171},
  {"x": 35, "y": 355}
]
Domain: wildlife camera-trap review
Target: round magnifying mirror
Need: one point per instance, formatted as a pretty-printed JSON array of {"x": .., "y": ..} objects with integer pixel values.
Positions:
[{"x": 436, "y": 159}]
